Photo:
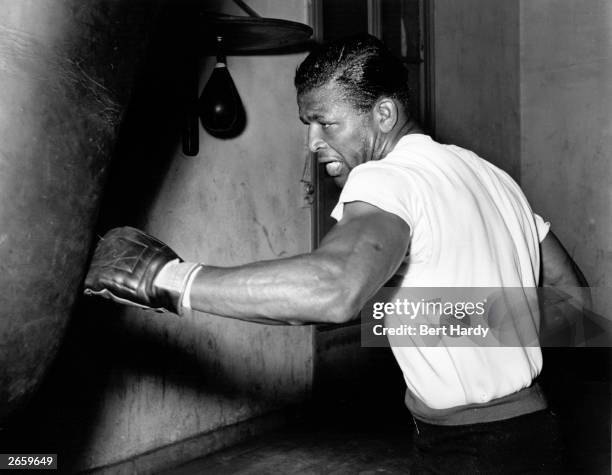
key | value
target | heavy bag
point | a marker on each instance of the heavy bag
(66, 71)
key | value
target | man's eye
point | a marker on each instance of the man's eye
(325, 125)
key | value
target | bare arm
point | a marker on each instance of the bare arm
(560, 270)
(330, 284)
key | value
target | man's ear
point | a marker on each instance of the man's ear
(386, 114)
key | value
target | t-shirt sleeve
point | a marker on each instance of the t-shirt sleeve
(542, 226)
(380, 185)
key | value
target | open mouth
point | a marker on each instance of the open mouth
(334, 168)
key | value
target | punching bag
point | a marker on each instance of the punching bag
(221, 110)
(66, 70)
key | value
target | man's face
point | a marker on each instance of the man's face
(341, 135)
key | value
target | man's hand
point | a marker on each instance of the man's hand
(127, 268)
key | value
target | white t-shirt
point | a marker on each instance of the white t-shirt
(470, 226)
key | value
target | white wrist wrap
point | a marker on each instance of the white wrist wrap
(186, 300)
(177, 277)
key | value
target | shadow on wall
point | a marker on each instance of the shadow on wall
(102, 352)
(151, 130)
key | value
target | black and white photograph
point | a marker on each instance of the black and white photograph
(310, 237)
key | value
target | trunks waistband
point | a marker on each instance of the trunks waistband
(525, 401)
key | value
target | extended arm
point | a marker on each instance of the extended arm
(330, 284)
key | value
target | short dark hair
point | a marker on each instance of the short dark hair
(361, 65)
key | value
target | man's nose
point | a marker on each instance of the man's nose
(315, 142)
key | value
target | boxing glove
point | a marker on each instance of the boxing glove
(134, 268)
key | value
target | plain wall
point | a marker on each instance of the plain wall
(476, 78)
(566, 123)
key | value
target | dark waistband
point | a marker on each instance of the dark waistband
(525, 401)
